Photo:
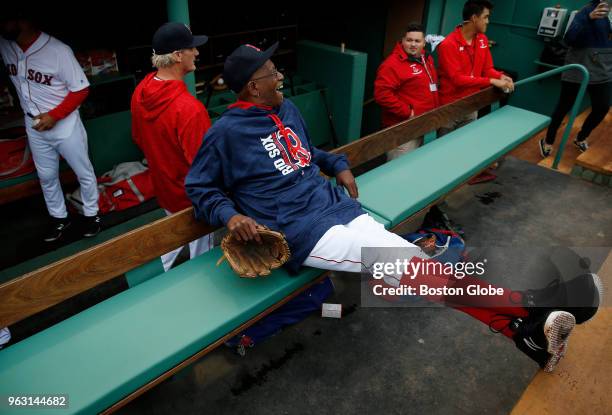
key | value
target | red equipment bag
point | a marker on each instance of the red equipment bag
(126, 185)
(15, 156)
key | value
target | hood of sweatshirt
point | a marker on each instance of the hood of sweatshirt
(155, 96)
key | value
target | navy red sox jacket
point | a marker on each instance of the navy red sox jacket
(260, 162)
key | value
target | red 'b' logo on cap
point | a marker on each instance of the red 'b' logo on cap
(253, 47)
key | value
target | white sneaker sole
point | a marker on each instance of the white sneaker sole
(91, 235)
(599, 285)
(557, 329)
(61, 233)
(600, 291)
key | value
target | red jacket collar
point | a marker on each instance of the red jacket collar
(424, 57)
(458, 35)
(399, 51)
(245, 105)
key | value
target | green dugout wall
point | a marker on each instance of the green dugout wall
(344, 73)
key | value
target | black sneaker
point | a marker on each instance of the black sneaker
(581, 145)
(543, 337)
(92, 226)
(57, 229)
(545, 149)
(580, 296)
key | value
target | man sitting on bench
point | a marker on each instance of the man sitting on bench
(257, 166)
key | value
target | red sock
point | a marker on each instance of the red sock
(499, 322)
(493, 310)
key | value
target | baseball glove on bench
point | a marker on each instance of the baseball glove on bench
(252, 260)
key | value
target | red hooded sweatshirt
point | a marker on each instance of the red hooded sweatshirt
(402, 85)
(464, 69)
(168, 124)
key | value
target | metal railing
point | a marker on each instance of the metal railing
(577, 102)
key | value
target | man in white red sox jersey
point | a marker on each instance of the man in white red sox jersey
(51, 85)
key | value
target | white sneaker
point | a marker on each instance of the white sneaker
(545, 149)
(581, 145)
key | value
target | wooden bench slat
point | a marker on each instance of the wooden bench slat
(377, 144)
(47, 286)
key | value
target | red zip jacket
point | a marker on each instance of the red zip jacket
(168, 124)
(464, 69)
(402, 85)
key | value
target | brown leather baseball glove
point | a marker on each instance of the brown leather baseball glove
(251, 259)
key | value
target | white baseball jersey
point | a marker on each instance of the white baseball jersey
(43, 75)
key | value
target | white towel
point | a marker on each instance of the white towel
(5, 336)
(434, 40)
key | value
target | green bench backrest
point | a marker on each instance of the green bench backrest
(110, 141)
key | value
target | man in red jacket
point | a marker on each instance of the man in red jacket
(168, 123)
(406, 84)
(464, 60)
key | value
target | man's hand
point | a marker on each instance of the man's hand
(345, 178)
(244, 228)
(504, 85)
(509, 81)
(600, 11)
(44, 122)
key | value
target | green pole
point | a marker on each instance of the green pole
(434, 13)
(178, 11)
(577, 102)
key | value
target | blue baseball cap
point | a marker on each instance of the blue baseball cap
(242, 64)
(174, 36)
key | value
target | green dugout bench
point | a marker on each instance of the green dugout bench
(440, 166)
(112, 352)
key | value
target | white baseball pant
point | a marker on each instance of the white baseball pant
(197, 247)
(339, 249)
(46, 150)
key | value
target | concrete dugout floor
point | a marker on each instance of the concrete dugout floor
(403, 360)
